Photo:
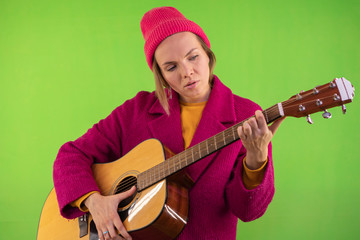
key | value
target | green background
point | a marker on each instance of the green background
(64, 65)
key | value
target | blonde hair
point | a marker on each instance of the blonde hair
(161, 84)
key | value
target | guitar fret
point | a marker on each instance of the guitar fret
(139, 181)
(176, 164)
(168, 168)
(161, 171)
(211, 145)
(154, 174)
(157, 173)
(151, 176)
(215, 142)
(143, 182)
(224, 137)
(145, 176)
(173, 165)
(229, 136)
(204, 153)
(207, 147)
(234, 138)
(146, 181)
(199, 151)
(182, 159)
(176, 159)
(192, 154)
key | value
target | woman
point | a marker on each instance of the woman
(236, 182)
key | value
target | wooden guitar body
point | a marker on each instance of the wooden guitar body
(158, 212)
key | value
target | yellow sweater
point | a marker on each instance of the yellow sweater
(190, 117)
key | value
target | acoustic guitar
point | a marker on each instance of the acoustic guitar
(158, 209)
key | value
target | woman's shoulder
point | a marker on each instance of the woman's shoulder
(141, 100)
(137, 105)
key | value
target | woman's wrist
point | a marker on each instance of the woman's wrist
(87, 202)
(254, 161)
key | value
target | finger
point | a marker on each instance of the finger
(127, 193)
(260, 119)
(112, 233)
(241, 133)
(121, 229)
(274, 127)
(254, 128)
(100, 233)
(106, 235)
(247, 129)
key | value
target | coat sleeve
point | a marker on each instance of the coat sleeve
(72, 172)
(246, 204)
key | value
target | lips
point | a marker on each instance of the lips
(191, 83)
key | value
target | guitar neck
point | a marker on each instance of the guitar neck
(199, 151)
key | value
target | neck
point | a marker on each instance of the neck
(199, 151)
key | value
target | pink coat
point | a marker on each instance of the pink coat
(218, 197)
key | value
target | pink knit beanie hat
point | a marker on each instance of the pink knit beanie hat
(159, 23)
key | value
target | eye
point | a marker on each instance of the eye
(193, 57)
(171, 68)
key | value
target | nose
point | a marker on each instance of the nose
(187, 70)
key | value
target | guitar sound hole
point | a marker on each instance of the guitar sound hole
(125, 185)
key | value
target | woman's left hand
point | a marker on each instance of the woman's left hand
(256, 135)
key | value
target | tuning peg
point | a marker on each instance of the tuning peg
(309, 120)
(343, 109)
(326, 114)
(298, 96)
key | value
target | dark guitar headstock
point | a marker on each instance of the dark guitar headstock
(336, 93)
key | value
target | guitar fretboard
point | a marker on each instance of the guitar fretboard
(199, 151)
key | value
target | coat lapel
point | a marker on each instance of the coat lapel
(217, 116)
(166, 128)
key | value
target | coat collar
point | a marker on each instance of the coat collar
(218, 115)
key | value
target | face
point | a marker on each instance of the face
(184, 65)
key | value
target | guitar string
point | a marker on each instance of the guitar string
(184, 156)
(126, 184)
(309, 93)
(306, 102)
(286, 104)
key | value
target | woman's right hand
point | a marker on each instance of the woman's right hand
(104, 211)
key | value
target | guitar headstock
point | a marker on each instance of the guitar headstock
(336, 93)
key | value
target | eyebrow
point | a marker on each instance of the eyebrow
(171, 62)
